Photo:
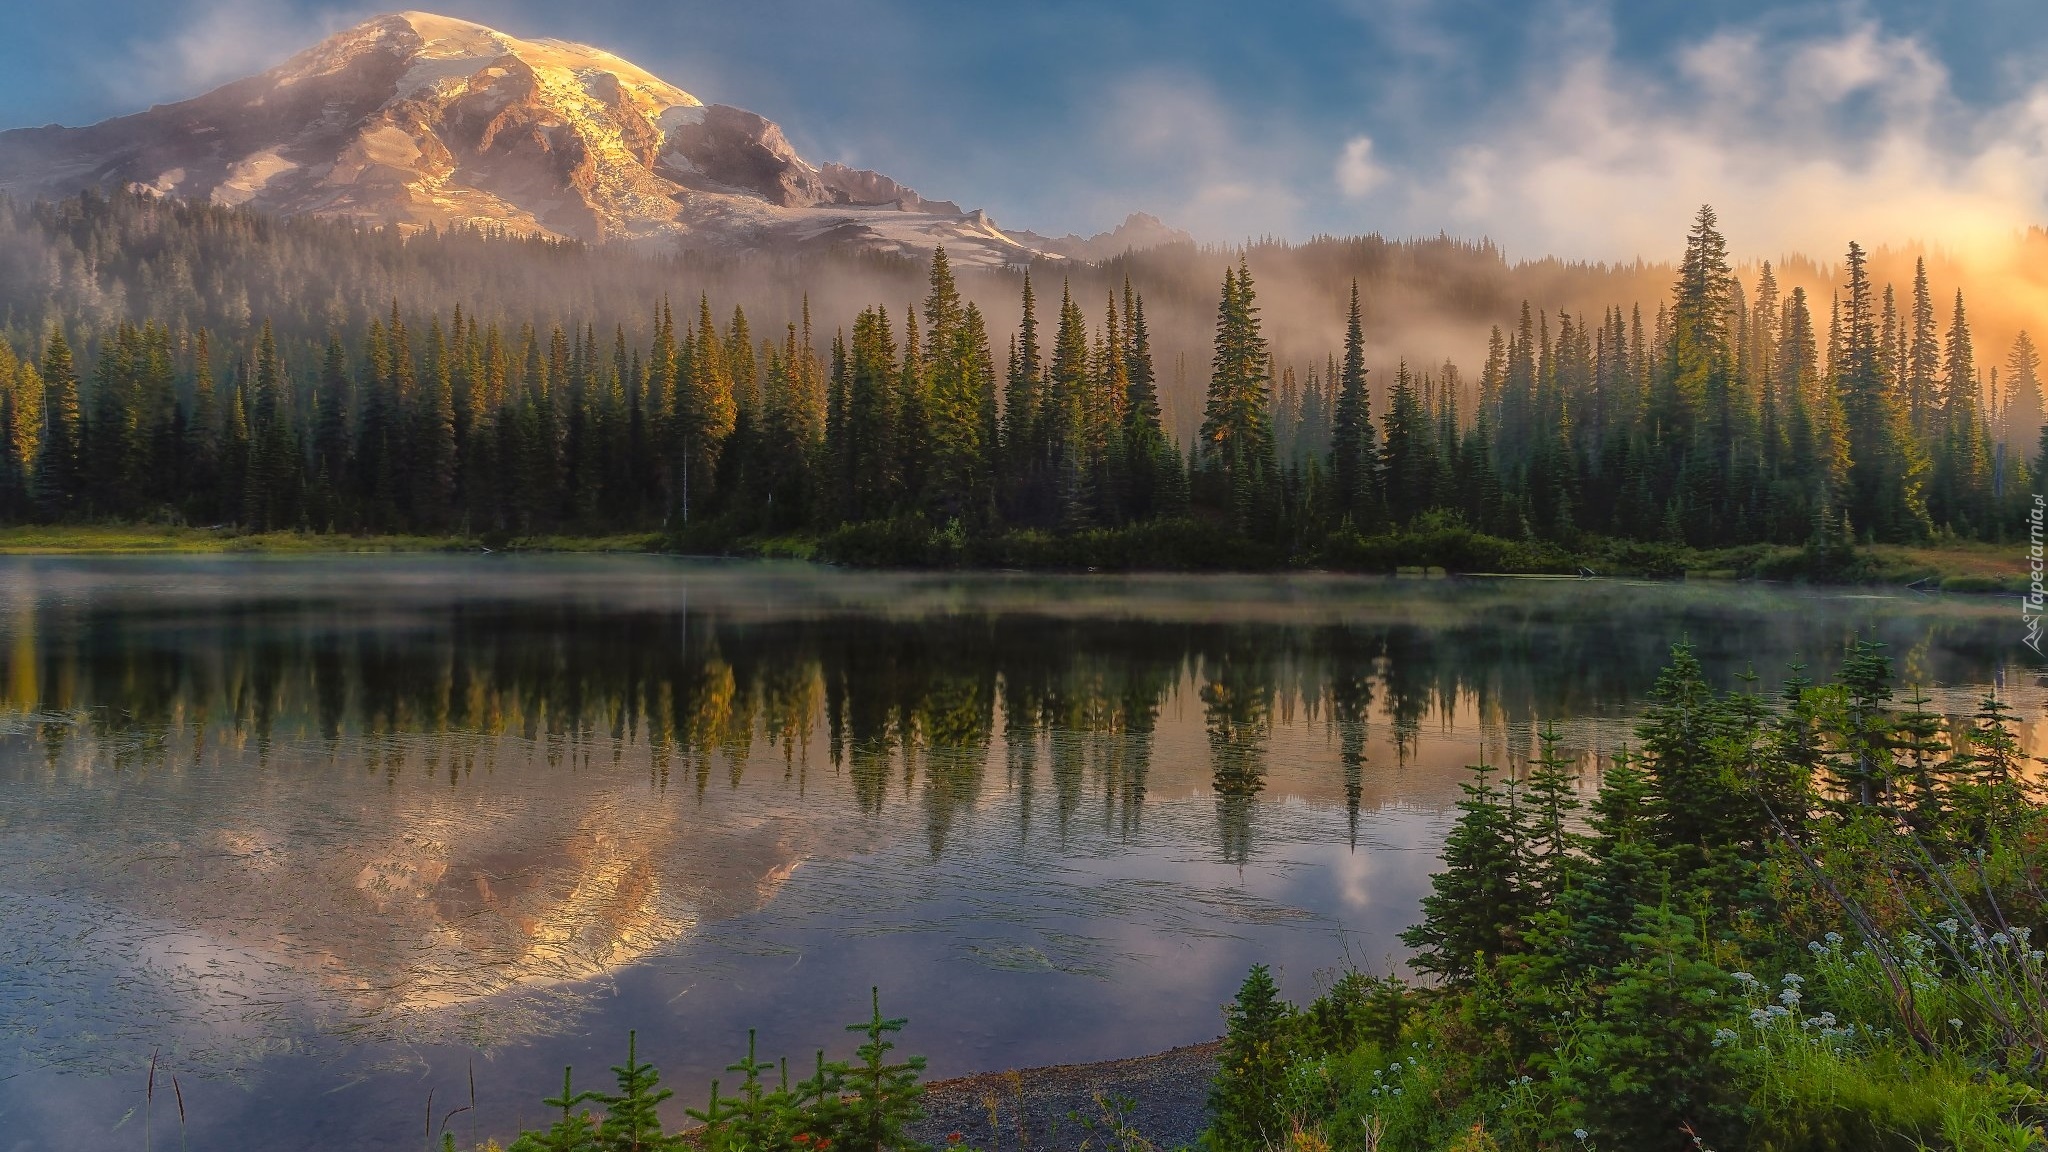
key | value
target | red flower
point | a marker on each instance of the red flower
(803, 1137)
(954, 1137)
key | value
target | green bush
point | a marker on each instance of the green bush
(1598, 988)
(1441, 543)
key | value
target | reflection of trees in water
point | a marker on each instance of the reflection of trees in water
(911, 709)
(1237, 706)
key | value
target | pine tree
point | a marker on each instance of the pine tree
(1479, 901)
(1023, 449)
(959, 378)
(886, 1095)
(1922, 361)
(1886, 469)
(60, 465)
(1237, 434)
(1246, 1097)
(1353, 455)
(1625, 868)
(574, 1132)
(632, 1122)
(1152, 460)
(1552, 797)
(1962, 471)
(1065, 416)
(2023, 384)
(869, 452)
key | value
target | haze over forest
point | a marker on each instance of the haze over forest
(426, 228)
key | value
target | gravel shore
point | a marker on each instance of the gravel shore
(1034, 1106)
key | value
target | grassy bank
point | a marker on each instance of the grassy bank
(1795, 926)
(119, 540)
(1172, 546)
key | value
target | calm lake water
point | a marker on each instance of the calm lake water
(330, 834)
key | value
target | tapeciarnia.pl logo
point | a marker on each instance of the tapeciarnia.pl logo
(2036, 599)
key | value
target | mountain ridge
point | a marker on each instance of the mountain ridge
(413, 119)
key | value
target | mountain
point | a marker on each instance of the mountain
(415, 120)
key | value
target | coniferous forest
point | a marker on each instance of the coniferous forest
(1731, 414)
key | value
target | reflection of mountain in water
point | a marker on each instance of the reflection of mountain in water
(409, 795)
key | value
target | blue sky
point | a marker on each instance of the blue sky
(1576, 127)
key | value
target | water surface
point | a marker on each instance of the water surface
(328, 835)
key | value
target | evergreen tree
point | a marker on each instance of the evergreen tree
(1479, 901)
(886, 1095)
(1237, 434)
(1886, 469)
(60, 464)
(632, 1122)
(1246, 1097)
(1353, 455)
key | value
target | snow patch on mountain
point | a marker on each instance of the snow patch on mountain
(415, 119)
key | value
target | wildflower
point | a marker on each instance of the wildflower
(1792, 980)
(1949, 926)
(1580, 1133)
(954, 1137)
(1833, 938)
(1397, 1091)
(1723, 1036)
(1954, 1023)
(1741, 978)
(802, 1138)
(2000, 939)
(1789, 997)
(1827, 1019)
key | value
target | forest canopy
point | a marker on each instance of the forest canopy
(179, 363)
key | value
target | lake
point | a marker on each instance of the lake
(327, 835)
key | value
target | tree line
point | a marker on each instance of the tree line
(1732, 415)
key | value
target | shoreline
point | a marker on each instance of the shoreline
(1973, 567)
(1034, 1108)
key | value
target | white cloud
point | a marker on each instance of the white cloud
(1357, 173)
(1799, 142)
(1173, 142)
(219, 41)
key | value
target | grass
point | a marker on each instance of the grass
(131, 540)
(1952, 566)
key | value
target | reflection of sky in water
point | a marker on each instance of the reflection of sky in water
(322, 832)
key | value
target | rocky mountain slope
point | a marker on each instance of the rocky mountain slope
(415, 120)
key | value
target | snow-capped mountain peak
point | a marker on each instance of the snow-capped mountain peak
(415, 119)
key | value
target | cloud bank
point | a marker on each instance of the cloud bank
(1800, 142)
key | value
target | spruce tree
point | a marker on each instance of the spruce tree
(60, 465)
(886, 1095)
(632, 1122)
(1246, 1097)
(1237, 435)
(1479, 900)
(1353, 457)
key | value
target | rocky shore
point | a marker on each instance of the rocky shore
(1066, 1106)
